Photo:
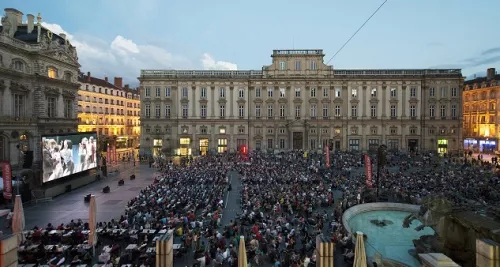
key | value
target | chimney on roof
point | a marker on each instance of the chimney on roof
(31, 22)
(490, 73)
(106, 78)
(118, 82)
(88, 76)
(14, 13)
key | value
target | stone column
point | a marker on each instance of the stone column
(384, 102)
(231, 102)
(213, 142)
(8, 101)
(60, 106)
(403, 102)
(213, 102)
(174, 106)
(193, 102)
(305, 103)
(365, 101)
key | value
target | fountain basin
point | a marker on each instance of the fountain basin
(382, 223)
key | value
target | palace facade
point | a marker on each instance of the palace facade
(481, 98)
(113, 111)
(38, 86)
(298, 102)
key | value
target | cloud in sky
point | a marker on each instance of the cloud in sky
(125, 58)
(209, 63)
(487, 57)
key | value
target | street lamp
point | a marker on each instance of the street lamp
(381, 161)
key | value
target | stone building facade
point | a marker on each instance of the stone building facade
(481, 98)
(298, 102)
(112, 110)
(38, 85)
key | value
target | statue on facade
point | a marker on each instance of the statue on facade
(54, 44)
(44, 43)
(7, 26)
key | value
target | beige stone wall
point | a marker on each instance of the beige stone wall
(360, 107)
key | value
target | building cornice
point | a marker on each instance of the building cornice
(336, 74)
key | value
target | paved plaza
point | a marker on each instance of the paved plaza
(70, 206)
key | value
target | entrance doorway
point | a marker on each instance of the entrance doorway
(412, 145)
(204, 146)
(337, 145)
(184, 149)
(297, 140)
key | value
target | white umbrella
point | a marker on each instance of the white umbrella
(92, 223)
(242, 253)
(18, 222)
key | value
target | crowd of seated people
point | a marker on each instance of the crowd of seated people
(178, 199)
(286, 201)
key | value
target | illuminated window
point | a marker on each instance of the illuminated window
(184, 141)
(222, 130)
(221, 145)
(52, 72)
(442, 142)
(157, 142)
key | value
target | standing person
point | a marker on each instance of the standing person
(67, 155)
(82, 152)
(48, 166)
(92, 153)
(58, 164)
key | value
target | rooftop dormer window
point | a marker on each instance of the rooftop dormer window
(52, 72)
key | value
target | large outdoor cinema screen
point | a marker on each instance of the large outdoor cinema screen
(67, 154)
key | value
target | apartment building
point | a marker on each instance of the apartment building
(113, 111)
(481, 97)
(299, 102)
(38, 86)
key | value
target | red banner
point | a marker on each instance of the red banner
(327, 155)
(368, 170)
(7, 179)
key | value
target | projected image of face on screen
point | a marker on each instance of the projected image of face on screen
(64, 155)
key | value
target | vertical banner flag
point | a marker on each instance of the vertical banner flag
(327, 155)
(7, 179)
(368, 170)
